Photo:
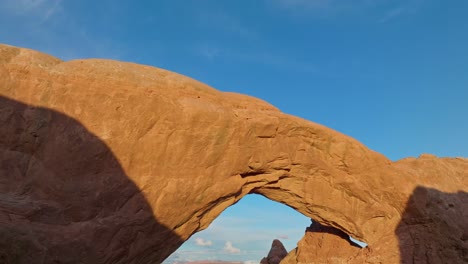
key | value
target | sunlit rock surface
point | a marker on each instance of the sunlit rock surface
(111, 162)
(325, 244)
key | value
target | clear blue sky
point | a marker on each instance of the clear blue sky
(390, 73)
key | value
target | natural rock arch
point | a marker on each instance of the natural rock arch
(193, 151)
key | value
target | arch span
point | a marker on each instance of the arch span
(193, 151)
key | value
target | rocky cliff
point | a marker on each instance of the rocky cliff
(111, 162)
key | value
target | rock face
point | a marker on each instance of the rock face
(276, 254)
(434, 228)
(111, 162)
(325, 244)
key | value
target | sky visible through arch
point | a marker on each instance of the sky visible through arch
(391, 73)
(244, 232)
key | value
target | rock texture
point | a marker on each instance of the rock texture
(112, 162)
(276, 254)
(325, 244)
(434, 228)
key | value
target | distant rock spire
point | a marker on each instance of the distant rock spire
(276, 254)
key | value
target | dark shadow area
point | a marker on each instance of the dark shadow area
(434, 227)
(64, 198)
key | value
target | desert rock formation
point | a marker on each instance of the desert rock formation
(111, 162)
(276, 254)
(325, 244)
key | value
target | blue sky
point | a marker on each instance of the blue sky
(390, 73)
(244, 232)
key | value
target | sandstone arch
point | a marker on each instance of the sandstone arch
(193, 151)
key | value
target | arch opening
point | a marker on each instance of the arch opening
(243, 233)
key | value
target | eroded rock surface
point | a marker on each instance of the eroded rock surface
(434, 228)
(111, 162)
(325, 244)
(276, 254)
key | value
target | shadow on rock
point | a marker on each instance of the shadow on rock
(316, 227)
(64, 198)
(434, 227)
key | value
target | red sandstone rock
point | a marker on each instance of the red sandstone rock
(112, 162)
(324, 244)
(276, 254)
